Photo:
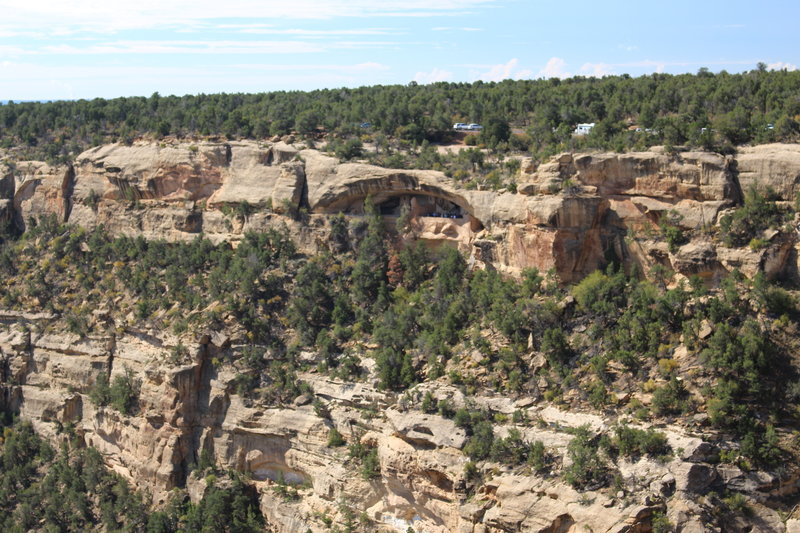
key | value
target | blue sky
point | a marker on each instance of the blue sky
(94, 48)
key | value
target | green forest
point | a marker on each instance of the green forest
(711, 110)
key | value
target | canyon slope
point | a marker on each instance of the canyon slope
(570, 216)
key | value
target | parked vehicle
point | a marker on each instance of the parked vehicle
(467, 127)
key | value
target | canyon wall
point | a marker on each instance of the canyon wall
(572, 214)
(188, 408)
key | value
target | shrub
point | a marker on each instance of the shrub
(100, 393)
(661, 523)
(350, 149)
(671, 399)
(124, 392)
(737, 503)
(428, 403)
(556, 347)
(598, 394)
(335, 439)
(538, 458)
(479, 445)
(634, 442)
(92, 199)
(602, 294)
(371, 466)
(761, 445)
(471, 472)
(587, 469)
(672, 232)
(758, 213)
(510, 450)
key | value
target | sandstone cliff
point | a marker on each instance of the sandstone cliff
(572, 214)
(185, 409)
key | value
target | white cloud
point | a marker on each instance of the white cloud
(447, 28)
(21, 33)
(780, 65)
(110, 16)
(555, 68)
(27, 81)
(357, 68)
(196, 47)
(351, 45)
(318, 33)
(504, 71)
(187, 47)
(12, 51)
(598, 70)
(433, 76)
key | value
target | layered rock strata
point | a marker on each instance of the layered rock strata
(571, 214)
(189, 408)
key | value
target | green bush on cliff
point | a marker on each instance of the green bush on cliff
(759, 212)
(587, 469)
(124, 392)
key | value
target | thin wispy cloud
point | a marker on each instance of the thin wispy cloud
(188, 47)
(780, 65)
(505, 71)
(13, 51)
(433, 76)
(558, 68)
(597, 70)
(197, 47)
(318, 33)
(555, 68)
(351, 45)
(112, 16)
(360, 67)
(82, 82)
(447, 28)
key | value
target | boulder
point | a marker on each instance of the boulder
(696, 258)
(426, 430)
(693, 477)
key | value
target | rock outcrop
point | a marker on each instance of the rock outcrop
(774, 166)
(571, 214)
(42, 189)
(189, 408)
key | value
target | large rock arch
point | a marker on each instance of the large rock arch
(335, 188)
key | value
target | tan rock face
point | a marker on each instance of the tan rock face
(119, 172)
(776, 166)
(42, 189)
(571, 215)
(186, 410)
